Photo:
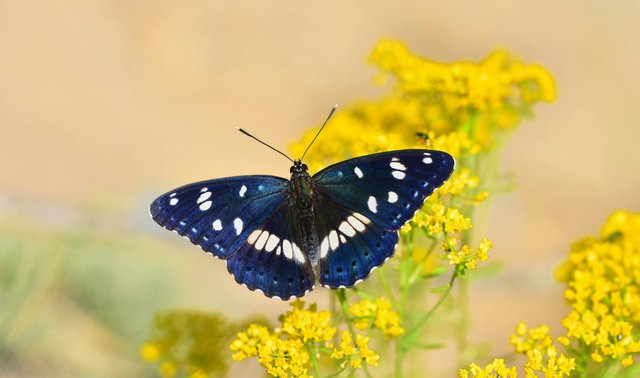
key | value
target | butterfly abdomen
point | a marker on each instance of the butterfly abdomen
(302, 191)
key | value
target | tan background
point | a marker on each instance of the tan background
(105, 104)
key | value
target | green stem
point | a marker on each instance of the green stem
(416, 328)
(312, 349)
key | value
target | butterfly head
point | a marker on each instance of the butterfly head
(298, 167)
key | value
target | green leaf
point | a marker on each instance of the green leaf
(439, 289)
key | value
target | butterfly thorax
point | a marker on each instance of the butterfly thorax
(302, 190)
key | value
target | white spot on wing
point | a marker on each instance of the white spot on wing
(398, 174)
(398, 166)
(172, 195)
(297, 253)
(362, 218)
(262, 240)
(237, 224)
(203, 190)
(253, 236)
(393, 197)
(324, 247)
(279, 250)
(242, 191)
(356, 224)
(286, 248)
(203, 197)
(427, 160)
(343, 240)
(346, 229)
(272, 242)
(395, 159)
(206, 205)
(373, 204)
(173, 201)
(217, 225)
(333, 240)
(358, 172)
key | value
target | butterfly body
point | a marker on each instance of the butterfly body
(281, 236)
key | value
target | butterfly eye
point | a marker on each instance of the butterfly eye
(304, 167)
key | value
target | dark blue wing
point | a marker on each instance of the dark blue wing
(247, 221)
(363, 202)
(271, 260)
(219, 215)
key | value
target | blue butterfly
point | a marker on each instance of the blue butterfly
(278, 236)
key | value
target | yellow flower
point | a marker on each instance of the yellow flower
(354, 355)
(284, 358)
(168, 369)
(379, 314)
(531, 342)
(246, 344)
(150, 352)
(308, 325)
(603, 288)
(550, 362)
(496, 369)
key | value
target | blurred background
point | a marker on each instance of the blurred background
(104, 105)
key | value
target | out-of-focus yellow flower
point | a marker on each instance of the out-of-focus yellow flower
(496, 369)
(603, 288)
(168, 369)
(378, 314)
(150, 352)
(185, 342)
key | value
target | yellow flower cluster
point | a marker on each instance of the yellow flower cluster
(498, 87)
(354, 355)
(188, 343)
(437, 219)
(603, 288)
(285, 352)
(542, 355)
(467, 255)
(377, 314)
(531, 341)
(550, 362)
(496, 369)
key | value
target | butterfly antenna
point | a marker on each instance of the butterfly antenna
(273, 148)
(333, 110)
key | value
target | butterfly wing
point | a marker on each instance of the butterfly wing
(271, 259)
(362, 203)
(221, 216)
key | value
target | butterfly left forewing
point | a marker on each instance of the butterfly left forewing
(219, 215)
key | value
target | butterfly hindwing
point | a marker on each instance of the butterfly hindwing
(271, 259)
(351, 245)
(219, 215)
(389, 187)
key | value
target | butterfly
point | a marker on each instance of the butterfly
(280, 236)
